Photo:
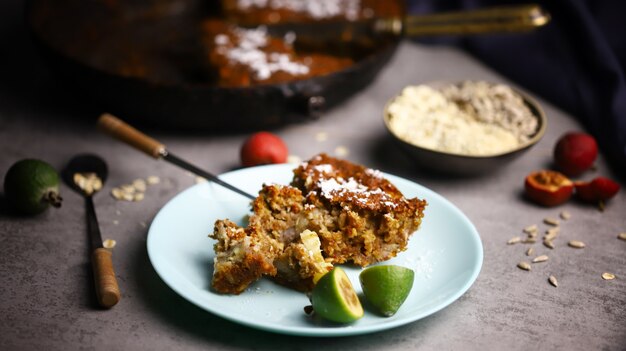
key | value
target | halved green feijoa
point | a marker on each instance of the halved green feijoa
(386, 287)
(334, 298)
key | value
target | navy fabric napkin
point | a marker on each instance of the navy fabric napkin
(576, 62)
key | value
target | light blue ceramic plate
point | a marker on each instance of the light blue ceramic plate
(446, 255)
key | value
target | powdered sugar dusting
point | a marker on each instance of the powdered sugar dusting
(324, 168)
(374, 173)
(222, 39)
(247, 51)
(339, 187)
(290, 37)
(331, 186)
(422, 264)
(317, 9)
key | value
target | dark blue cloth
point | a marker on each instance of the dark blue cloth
(577, 62)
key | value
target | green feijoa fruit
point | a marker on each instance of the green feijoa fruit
(31, 186)
(386, 287)
(334, 298)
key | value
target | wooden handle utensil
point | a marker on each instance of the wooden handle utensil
(107, 290)
(131, 136)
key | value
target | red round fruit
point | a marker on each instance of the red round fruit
(575, 153)
(263, 148)
(599, 189)
(548, 188)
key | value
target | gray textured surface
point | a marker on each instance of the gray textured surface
(46, 299)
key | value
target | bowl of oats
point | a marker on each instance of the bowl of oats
(464, 128)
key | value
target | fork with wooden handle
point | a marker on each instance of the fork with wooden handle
(140, 141)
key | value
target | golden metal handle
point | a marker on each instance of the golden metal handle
(515, 18)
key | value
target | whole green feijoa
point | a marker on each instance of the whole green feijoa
(31, 186)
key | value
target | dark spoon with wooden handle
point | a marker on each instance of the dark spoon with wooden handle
(86, 174)
(140, 141)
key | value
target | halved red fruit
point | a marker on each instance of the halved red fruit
(548, 188)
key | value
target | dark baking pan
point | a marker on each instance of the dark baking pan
(81, 38)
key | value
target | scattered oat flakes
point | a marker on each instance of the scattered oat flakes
(200, 180)
(116, 222)
(342, 151)
(553, 230)
(577, 244)
(608, 276)
(621, 236)
(514, 240)
(109, 243)
(542, 258)
(128, 189)
(152, 180)
(550, 235)
(529, 240)
(524, 265)
(548, 244)
(139, 185)
(88, 182)
(551, 221)
(321, 136)
(135, 191)
(117, 193)
(530, 251)
(565, 215)
(531, 229)
(552, 280)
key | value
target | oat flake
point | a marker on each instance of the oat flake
(531, 229)
(514, 240)
(152, 180)
(577, 244)
(553, 281)
(321, 137)
(294, 159)
(551, 221)
(342, 151)
(109, 243)
(608, 276)
(548, 244)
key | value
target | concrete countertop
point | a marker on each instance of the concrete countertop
(46, 296)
